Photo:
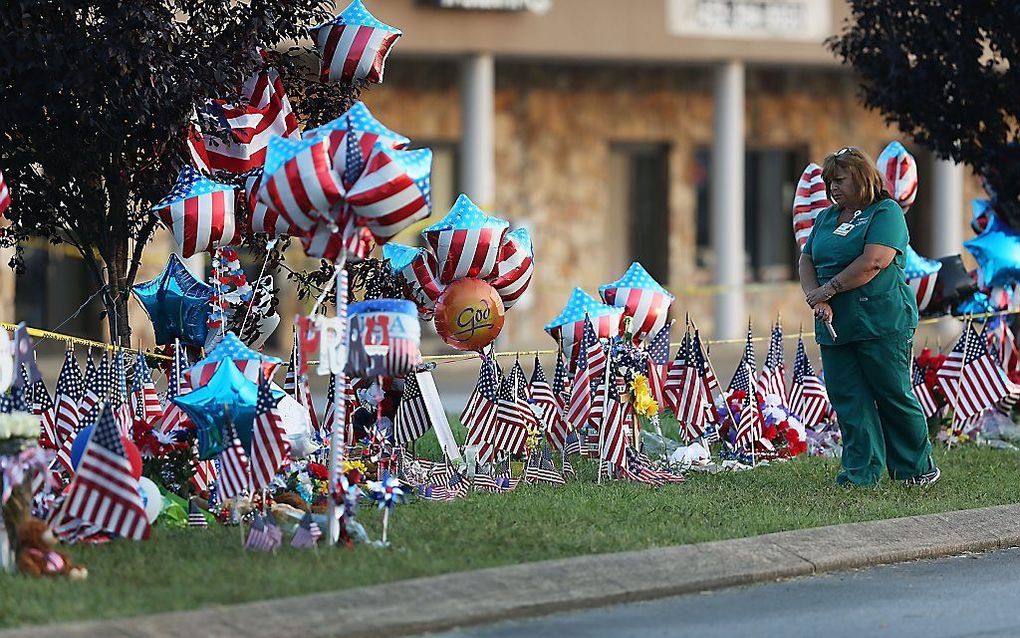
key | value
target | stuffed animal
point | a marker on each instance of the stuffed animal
(36, 556)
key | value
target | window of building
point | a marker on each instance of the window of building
(770, 180)
(640, 191)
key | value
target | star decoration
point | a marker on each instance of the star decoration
(177, 304)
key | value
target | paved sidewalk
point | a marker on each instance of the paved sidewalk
(489, 595)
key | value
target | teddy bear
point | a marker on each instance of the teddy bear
(36, 556)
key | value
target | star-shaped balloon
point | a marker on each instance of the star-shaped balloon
(808, 200)
(354, 45)
(642, 299)
(466, 241)
(981, 211)
(394, 191)
(997, 251)
(228, 395)
(418, 267)
(177, 304)
(515, 266)
(568, 326)
(918, 266)
(231, 348)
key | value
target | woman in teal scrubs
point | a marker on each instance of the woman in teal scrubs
(851, 270)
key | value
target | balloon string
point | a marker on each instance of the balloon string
(262, 271)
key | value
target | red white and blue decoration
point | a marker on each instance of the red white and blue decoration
(997, 251)
(5, 195)
(230, 348)
(354, 45)
(466, 241)
(922, 275)
(299, 183)
(261, 218)
(568, 327)
(366, 132)
(642, 299)
(228, 397)
(899, 174)
(515, 266)
(384, 338)
(418, 267)
(394, 190)
(809, 200)
(177, 303)
(199, 213)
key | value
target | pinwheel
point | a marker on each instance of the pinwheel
(386, 492)
(642, 299)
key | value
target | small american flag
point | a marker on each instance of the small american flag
(672, 387)
(540, 468)
(636, 469)
(5, 195)
(551, 415)
(772, 378)
(511, 419)
(147, 407)
(412, 420)
(579, 408)
(658, 363)
(259, 538)
(479, 415)
(747, 366)
(711, 386)
(980, 383)
(749, 429)
(199, 213)
(617, 422)
(307, 534)
(91, 388)
(105, 492)
(176, 384)
(269, 447)
(44, 408)
(922, 391)
(690, 396)
(354, 45)
(205, 471)
(808, 398)
(233, 467)
(195, 516)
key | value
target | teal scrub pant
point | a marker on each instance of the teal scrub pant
(881, 421)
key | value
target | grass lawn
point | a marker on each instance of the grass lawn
(184, 569)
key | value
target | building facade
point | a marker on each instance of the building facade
(670, 132)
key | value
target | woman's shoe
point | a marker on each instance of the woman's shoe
(926, 479)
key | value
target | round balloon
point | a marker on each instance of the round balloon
(134, 457)
(152, 500)
(469, 314)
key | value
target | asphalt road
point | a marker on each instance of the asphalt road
(976, 595)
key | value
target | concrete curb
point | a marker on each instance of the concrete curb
(489, 595)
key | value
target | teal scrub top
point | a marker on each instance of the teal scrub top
(883, 306)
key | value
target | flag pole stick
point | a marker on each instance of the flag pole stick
(336, 438)
(959, 382)
(726, 402)
(605, 412)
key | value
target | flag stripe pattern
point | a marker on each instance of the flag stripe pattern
(233, 468)
(412, 420)
(5, 195)
(354, 46)
(105, 492)
(568, 327)
(772, 378)
(899, 173)
(808, 200)
(642, 299)
(808, 398)
(299, 183)
(269, 447)
(922, 391)
(466, 241)
(199, 213)
(394, 191)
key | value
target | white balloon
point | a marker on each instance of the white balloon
(152, 499)
(6, 361)
(297, 425)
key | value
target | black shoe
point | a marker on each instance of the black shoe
(925, 480)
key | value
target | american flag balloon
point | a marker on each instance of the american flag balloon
(394, 191)
(418, 267)
(515, 266)
(230, 347)
(466, 241)
(199, 212)
(899, 174)
(808, 200)
(356, 123)
(568, 326)
(642, 299)
(922, 274)
(353, 46)
(233, 137)
(329, 242)
(261, 218)
(299, 182)
(5, 195)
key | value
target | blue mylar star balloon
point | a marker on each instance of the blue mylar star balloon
(997, 251)
(177, 303)
(979, 303)
(228, 395)
(918, 266)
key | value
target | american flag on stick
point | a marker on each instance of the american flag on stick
(921, 390)
(176, 384)
(550, 412)
(233, 470)
(307, 534)
(616, 423)
(808, 398)
(105, 492)
(772, 378)
(412, 420)
(91, 388)
(749, 429)
(579, 408)
(44, 408)
(690, 398)
(658, 364)
(269, 447)
(540, 468)
(511, 419)
(979, 383)
(147, 407)
(479, 415)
